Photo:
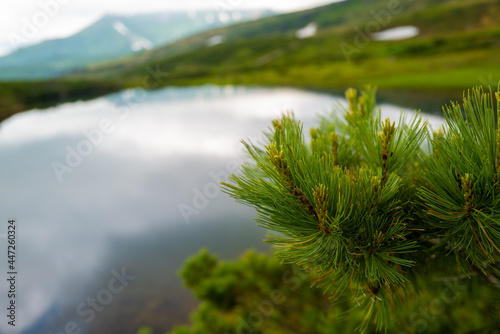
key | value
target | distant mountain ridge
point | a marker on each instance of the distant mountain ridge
(113, 37)
(326, 48)
(323, 47)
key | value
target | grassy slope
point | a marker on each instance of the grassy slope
(458, 48)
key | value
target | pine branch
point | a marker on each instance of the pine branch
(363, 207)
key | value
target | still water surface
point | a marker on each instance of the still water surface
(112, 186)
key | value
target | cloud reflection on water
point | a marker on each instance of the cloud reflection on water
(129, 189)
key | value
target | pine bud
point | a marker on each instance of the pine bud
(334, 139)
(321, 204)
(314, 133)
(467, 188)
(277, 158)
(375, 182)
(362, 108)
(385, 137)
(378, 237)
(279, 162)
(437, 134)
(352, 98)
(277, 125)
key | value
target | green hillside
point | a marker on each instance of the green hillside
(111, 37)
(458, 47)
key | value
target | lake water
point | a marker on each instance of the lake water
(111, 195)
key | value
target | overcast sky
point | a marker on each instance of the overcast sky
(61, 18)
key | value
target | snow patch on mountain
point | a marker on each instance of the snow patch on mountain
(397, 33)
(137, 42)
(308, 31)
(214, 40)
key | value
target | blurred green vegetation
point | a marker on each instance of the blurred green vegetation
(20, 96)
(256, 294)
(457, 48)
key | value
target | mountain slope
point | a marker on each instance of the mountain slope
(457, 47)
(336, 15)
(336, 23)
(109, 38)
(457, 38)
